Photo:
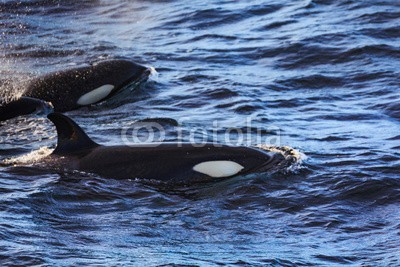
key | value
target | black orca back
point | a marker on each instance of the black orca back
(64, 88)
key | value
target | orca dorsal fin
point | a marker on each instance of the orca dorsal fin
(71, 138)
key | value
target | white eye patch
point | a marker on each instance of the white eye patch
(218, 168)
(95, 95)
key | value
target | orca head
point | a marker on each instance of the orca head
(24, 106)
(227, 161)
(76, 87)
(112, 76)
(71, 138)
(253, 160)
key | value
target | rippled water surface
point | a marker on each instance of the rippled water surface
(319, 76)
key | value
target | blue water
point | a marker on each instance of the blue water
(321, 77)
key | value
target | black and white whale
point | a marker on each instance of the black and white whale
(167, 162)
(24, 106)
(73, 88)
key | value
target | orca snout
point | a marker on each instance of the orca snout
(126, 71)
(45, 108)
(264, 161)
(121, 65)
(141, 71)
(272, 161)
(24, 106)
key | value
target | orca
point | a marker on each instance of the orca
(24, 106)
(73, 88)
(178, 163)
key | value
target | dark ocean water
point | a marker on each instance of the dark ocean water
(321, 77)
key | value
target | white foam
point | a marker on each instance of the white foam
(293, 158)
(29, 158)
(153, 74)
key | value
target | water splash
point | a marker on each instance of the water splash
(30, 158)
(154, 75)
(293, 158)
